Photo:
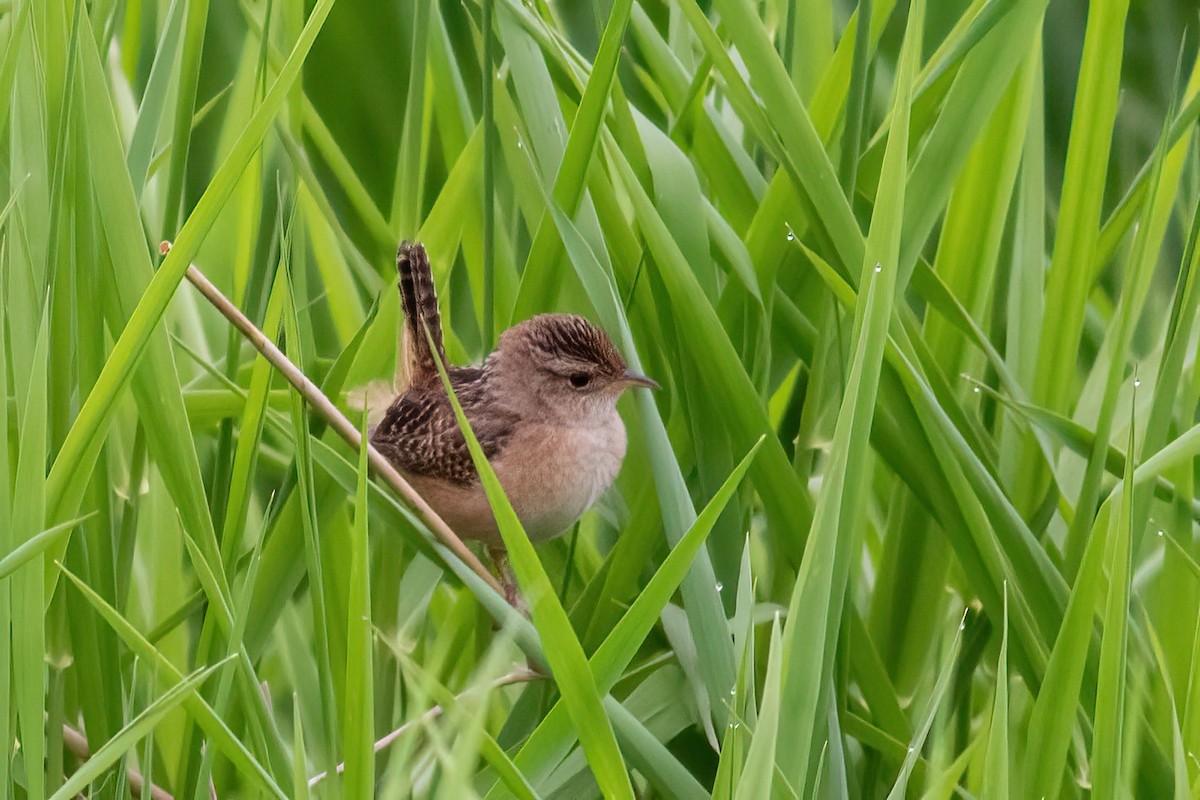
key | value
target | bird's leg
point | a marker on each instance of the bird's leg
(512, 594)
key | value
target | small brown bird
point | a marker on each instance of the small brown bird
(543, 406)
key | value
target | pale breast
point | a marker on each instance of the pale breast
(553, 473)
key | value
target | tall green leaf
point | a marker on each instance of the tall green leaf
(816, 602)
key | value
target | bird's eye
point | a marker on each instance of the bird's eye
(580, 379)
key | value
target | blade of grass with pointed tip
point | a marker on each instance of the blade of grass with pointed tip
(185, 105)
(997, 533)
(1163, 186)
(154, 100)
(1107, 754)
(28, 586)
(931, 711)
(37, 544)
(996, 760)
(742, 702)
(759, 769)
(155, 381)
(1054, 711)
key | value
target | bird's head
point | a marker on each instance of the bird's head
(563, 364)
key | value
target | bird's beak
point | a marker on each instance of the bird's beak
(633, 379)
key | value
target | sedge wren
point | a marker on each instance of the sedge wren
(543, 406)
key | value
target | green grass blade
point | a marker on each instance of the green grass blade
(789, 120)
(1054, 712)
(245, 454)
(922, 729)
(217, 731)
(996, 759)
(28, 586)
(137, 729)
(577, 155)
(36, 545)
(78, 451)
(760, 766)
(1071, 267)
(154, 101)
(816, 601)
(299, 757)
(1107, 737)
(359, 722)
(651, 757)
(185, 105)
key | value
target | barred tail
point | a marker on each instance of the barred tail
(419, 300)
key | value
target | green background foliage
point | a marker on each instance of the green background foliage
(913, 516)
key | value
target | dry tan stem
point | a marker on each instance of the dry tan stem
(77, 743)
(338, 421)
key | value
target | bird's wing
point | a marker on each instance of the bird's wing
(419, 433)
